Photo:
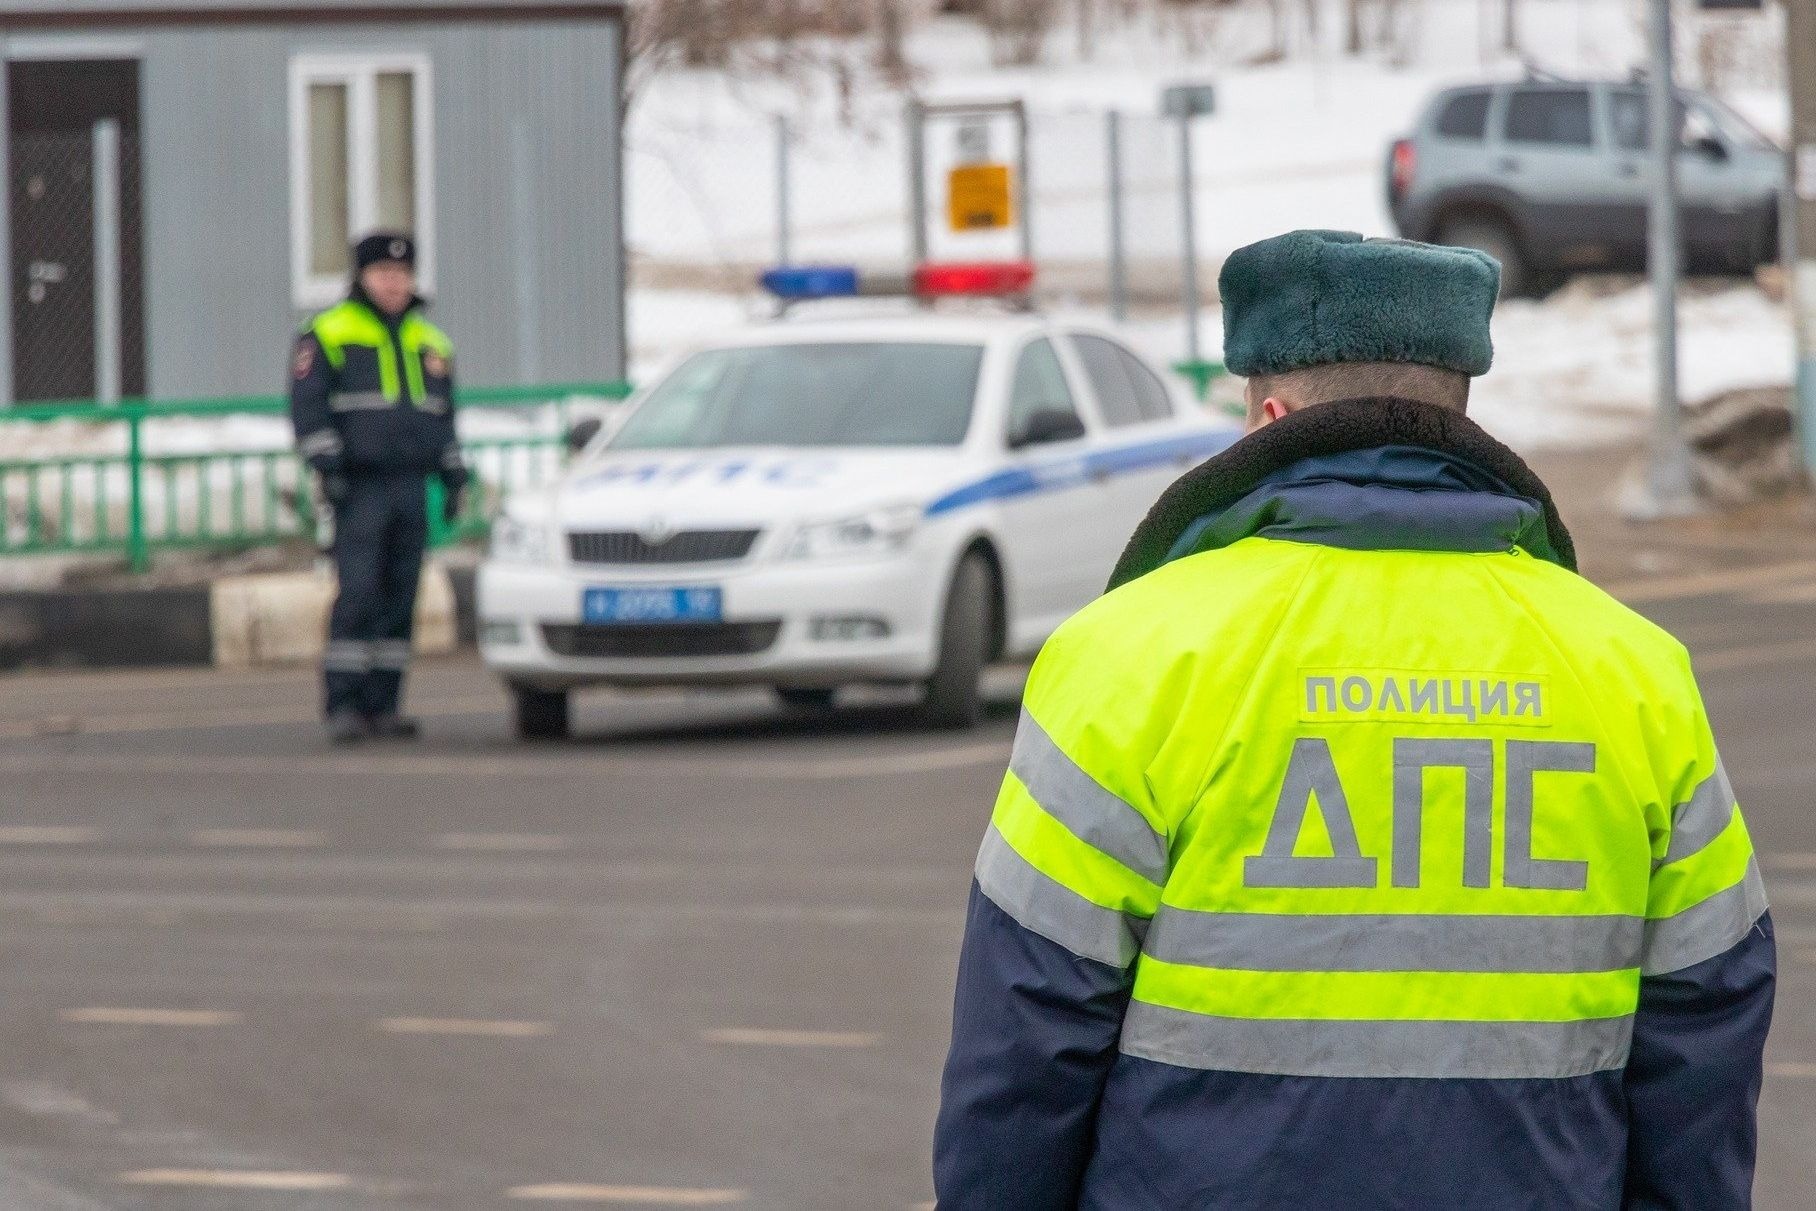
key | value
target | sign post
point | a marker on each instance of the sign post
(1667, 487)
(1185, 102)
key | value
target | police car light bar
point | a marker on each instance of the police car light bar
(994, 278)
(801, 283)
(935, 279)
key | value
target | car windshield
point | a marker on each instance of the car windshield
(830, 394)
(1737, 128)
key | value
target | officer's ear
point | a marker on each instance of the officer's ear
(1265, 412)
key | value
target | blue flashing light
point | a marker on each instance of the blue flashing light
(811, 281)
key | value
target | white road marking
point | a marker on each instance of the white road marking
(467, 1026)
(662, 1196)
(1756, 656)
(513, 769)
(502, 843)
(1801, 593)
(922, 761)
(238, 1179)
(1703, 584)
(257, 838)
(250, 715)
(116, 1016)
(749, 1036)
(1790, 1068)
(42, 834)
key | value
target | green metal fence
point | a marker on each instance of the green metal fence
(121, 499)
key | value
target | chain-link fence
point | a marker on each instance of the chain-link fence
(1103, 195)
(78, 329)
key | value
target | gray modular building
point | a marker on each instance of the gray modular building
(219, 155)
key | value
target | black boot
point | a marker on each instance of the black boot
(392, 727)
(345, 727)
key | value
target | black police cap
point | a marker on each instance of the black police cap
(384, 246)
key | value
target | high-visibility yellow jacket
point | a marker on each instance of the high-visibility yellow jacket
(1356, 852)
(375, 393)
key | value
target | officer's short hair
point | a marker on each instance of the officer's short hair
(1364, 380)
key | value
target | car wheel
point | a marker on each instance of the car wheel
(954, 697)
(808, 700)
(1485, 233)
(540, 714)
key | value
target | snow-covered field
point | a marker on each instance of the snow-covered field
(1297, 143)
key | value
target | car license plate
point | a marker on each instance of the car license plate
(652, 605)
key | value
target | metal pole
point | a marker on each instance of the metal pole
(523, 253)
(138, 552)
(106, 181)
(1669, 488)
(1800, 37)
(784, 249)
(1024, 182)
(1119, 267)
(1188, 238)
(917, 184)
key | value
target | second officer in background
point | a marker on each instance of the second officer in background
(372, 398)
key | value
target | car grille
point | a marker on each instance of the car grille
(660, 639)
(687, 546)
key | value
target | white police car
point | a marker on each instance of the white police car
(817, 504)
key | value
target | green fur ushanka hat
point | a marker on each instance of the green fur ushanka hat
(1312, 298)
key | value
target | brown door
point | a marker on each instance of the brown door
(53, 107)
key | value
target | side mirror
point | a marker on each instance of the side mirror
(581, 433)
(1709, 147)
(1048, 425)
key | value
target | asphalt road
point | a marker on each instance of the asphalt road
(701, 956)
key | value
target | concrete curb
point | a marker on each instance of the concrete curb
(236, 622)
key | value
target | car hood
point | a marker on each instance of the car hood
(680, 489)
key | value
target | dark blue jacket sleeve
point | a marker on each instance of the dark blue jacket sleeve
(1034, 1033)
(318, 439)
(1693, 1080)
(452, 469)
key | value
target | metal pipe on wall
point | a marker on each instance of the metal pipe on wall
(105, 180)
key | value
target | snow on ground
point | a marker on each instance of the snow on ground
(1298, 143)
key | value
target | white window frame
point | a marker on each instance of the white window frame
(359, 72)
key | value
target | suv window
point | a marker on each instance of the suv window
(1039, 386)
(1557, 116)
(1465, 116)
(1123, 397)
(1632, 118)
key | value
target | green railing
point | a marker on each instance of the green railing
(122, 499)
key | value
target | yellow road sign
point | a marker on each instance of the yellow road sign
(980, 197)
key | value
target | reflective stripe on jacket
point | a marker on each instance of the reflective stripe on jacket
(1356, 852)
(371, 394)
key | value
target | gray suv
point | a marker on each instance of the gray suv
(1552, 176)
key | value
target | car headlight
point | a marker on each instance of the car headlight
(878, 532)
(515, 541)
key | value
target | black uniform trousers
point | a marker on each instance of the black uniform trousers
(380, 529)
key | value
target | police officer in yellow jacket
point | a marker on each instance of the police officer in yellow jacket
(1354, 851)
(372, 399)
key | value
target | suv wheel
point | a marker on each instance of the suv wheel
(1485, 233)
(954, 696)
(539, 714)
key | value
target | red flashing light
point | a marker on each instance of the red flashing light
(974, 278)
(1405, 159)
